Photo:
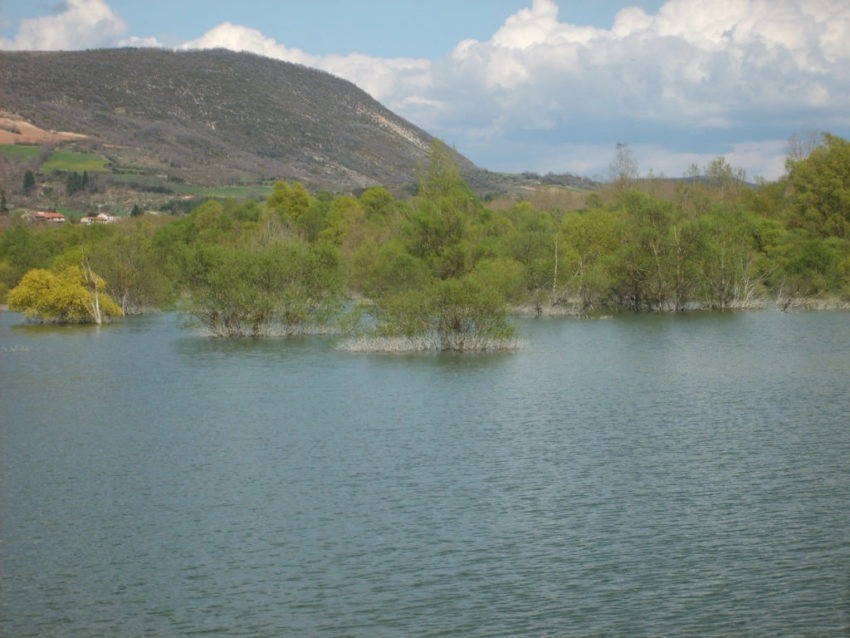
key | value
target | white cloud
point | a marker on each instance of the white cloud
(138, 42)
(394, 81)
(240, 38)
(382, 78)
(691, 63)
(697, 73)
(81, 24)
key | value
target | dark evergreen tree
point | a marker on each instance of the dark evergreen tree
(29, 182)
(75, 183)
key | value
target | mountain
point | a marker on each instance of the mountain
(216, 117)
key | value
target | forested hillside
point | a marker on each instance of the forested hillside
(216, 117)
(444, 271)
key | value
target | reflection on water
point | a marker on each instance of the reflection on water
(640, 475)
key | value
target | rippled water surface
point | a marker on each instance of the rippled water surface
(648, 475)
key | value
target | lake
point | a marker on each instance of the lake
(640, 475)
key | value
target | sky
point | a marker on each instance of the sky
(535, 85)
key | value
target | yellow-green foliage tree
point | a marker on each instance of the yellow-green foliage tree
(73, 295)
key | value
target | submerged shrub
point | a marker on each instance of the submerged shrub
(74, 295)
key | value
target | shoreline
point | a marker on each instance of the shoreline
(813, 304)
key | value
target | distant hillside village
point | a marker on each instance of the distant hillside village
(42, 217)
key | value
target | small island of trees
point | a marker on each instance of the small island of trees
(445, 270)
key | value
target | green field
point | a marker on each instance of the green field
(79, 162)
(60, 161)
(19, 153)
(158, 184)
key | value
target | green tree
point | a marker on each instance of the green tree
(133, 272)
(692, 194)
(379, 204)
(212, 224)
(731, 272)
(587, 241)
(820, 199)
(534, 244)
(685, 249)
(726, 181)
(74, 182)
(23, 248)
(457, 315)
(424, 284)
(394, 271)
(470, 313)
(289, 201)
(313, 221)
(443, 211)
(643, 258)
(173, 245)
(441, 181)
(29, 182)
(812, 266)
(284, 287)
(346, 223)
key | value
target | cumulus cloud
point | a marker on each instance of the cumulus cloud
(385, 79)
(695, 63)
(240, 38)
(709, 74)
(80, 24)
(135, 41)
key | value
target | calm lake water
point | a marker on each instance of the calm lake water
(643, 475)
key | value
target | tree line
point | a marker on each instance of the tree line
(444, 270)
